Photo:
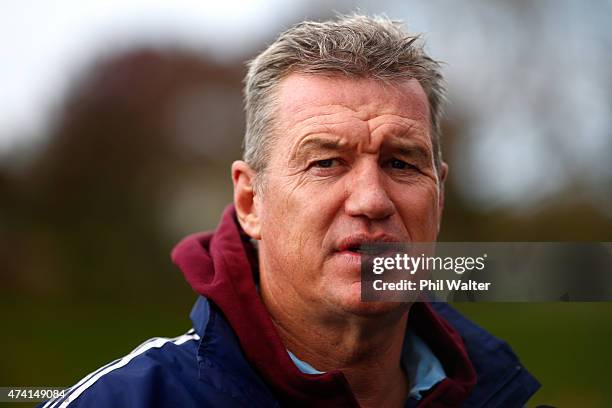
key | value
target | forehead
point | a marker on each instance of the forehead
(301, 96)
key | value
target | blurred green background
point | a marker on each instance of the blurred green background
(136, 153)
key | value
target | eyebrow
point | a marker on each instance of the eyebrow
(408, 147)
(402, 145)
(319, 143)
(323, 143)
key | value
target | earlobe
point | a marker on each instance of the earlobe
(245, 199)
(443, 173)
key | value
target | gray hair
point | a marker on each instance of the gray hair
(352, 45)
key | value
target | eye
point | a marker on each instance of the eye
(399, 164)
(324, 164)
(326, 167)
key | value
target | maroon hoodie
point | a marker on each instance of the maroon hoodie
(222, 266)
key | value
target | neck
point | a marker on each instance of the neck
(366, 348)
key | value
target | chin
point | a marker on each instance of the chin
(351, 303)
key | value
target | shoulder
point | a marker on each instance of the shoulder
(159, 372)
(477, 340)
(502, 378)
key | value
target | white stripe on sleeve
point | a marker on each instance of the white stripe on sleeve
(75, 391)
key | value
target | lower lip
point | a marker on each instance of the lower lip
(350, 255)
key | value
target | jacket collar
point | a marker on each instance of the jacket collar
(221, 267)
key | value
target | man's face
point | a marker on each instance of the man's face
(352, 162)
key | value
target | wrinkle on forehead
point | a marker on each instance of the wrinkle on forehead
(300, 93)
(356, 113)
(367, 136)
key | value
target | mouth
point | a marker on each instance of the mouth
(364, 245)
(364, 249)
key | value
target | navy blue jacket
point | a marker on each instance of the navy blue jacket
(233, 356)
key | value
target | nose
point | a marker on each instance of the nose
(367, 196)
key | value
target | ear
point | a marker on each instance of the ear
(245, 199)
(443, 173)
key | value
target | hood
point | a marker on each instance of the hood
(222, 266)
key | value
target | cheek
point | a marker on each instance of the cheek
(418, 208)
(298, 216)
